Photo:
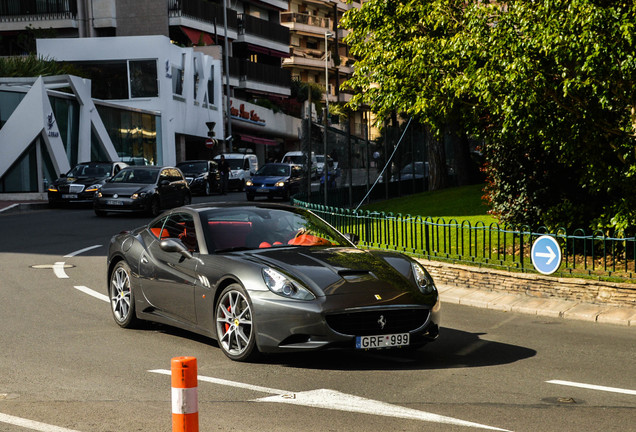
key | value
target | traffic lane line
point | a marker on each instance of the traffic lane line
(31, 424)
(593, 387)
(81, 251)
(335, 400)
(93, 293)
(58, 269)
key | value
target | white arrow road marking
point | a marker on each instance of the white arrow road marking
(58, 269)
(93, 293)
(30, 424)
(593, 387)
(77, 252)
(332, 399)
(550, 255)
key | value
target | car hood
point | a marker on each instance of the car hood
(193, 173)
(87, 181)
(125, 188)
(268, 179)
(346, 271)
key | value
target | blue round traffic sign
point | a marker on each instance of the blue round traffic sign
(546, 255)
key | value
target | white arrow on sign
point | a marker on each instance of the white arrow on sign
(331, 399)
(550, 255)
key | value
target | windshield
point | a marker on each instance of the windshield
(90, 170)
(294, 159)
(320, 158)
(274, 170)
(243, 228)
(131, 175)
(189, 167)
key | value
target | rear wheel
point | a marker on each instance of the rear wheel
(234, 325)
(122, 301)
(206, 192)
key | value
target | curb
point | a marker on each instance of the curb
(21, 207)
(549, 307)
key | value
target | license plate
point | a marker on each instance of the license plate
(115, 202)
(69, 196)
(261, 190)
(382, 341)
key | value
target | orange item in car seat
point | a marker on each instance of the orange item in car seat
(264, 245)
(308, 240)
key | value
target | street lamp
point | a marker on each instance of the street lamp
(325, 167)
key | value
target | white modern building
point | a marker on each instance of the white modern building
(146, 99)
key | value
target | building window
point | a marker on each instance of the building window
(211, 86)
(177, 81)
(143, 78)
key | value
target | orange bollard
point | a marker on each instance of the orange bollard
(185, 398)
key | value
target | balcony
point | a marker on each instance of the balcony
(204, 12)
(307, 59)
(252, 26)
(304, 23)
(18, 14)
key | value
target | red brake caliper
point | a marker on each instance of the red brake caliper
(227, 326)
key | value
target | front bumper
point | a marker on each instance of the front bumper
(286, 325)
(269, 191)
(121, 204)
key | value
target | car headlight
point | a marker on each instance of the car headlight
(249, 183)
(93, 188)
(281, 285)
(423, 279)
(280, 184)
(138, 195)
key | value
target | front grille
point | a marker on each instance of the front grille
(76, 188)
(369, 322)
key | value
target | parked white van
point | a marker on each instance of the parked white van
(296, 158)
(242, 167)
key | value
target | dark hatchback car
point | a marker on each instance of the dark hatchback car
(202, 175)
(274, 180)
(80, 184)
(146, 189)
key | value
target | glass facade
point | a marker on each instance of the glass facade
(135, 135)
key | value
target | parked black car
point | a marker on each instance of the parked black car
(142, 189)
(80, 184)
(202, 175)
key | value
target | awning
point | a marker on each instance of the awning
(258, 140)
(197, 36)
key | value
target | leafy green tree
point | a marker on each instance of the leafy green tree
(33, 66)
(548, 86)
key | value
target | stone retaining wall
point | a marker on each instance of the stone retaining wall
(534, 285)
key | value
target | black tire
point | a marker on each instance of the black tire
(235, 329)
(122, 299)
(249, 197)
(241, 186)
(207, 190)
(155, 207)
(187, 199)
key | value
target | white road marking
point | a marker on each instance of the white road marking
(593, 387)
(30, 424)
(77, 252)
(58, 269)
(332, 399)
(93, 293)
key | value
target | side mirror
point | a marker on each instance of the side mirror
(175, 245)
(353, 238)
(164, 182)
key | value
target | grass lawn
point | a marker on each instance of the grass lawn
(460, 203)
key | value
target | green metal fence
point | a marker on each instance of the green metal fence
(584, 255)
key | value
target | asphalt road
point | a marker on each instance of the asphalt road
(66, 366)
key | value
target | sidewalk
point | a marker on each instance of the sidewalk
(548, 307)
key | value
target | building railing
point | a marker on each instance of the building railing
(202, 11)
(262, 28)
(311, 20)
(37, 10)
(263, 73)
(504, 247)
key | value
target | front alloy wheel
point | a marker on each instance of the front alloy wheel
(234, 326)
(120, 292)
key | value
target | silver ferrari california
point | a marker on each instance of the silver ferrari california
(264, 278)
